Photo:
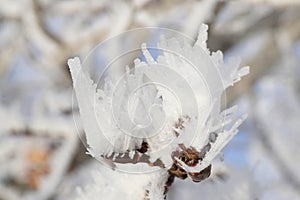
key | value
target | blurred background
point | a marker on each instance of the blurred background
(41, 156)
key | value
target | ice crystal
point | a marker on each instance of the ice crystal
(138, 120)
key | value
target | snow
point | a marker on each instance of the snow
(186, 81)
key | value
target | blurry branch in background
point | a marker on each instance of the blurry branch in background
(94, 22)
(281, 3)
(263, 36)
(288, 174)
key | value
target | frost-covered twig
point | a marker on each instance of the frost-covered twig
(116, 118)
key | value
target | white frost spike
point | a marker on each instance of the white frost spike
(85, 91)
(244, 71)
(202, 37)
(147, 54)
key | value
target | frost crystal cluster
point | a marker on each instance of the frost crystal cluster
(164, 113)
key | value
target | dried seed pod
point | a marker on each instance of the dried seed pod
(178, 172)
(200, 176)
(144, 147)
